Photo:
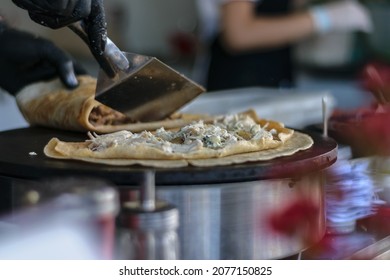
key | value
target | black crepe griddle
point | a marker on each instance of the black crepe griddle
(17, 161)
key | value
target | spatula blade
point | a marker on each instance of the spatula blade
(148, 90)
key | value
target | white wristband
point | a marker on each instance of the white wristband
(321, 19)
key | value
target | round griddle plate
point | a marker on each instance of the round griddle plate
(17, 160)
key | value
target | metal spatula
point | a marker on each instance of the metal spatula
(142, 87)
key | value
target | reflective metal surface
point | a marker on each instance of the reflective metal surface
(148, 235)
(233, 220)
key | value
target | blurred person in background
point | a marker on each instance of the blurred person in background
(26, 58)
(250, 41)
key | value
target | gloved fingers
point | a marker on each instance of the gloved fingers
(53, 22)
(36, 73)
(82, 9)
(60, 13)
(39, 73)
(26, 59)
(97, 28)
(26, 4)
(61, 62)
(15, 79)
(11, 83)
(54, 7)
(46, 71)
(68, 8)
(67, 74)
(79, 69)
(56, 13)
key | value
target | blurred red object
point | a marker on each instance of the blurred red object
(294, 220)
(379, 223)
(366, 130)
(375, 78)
(183, 43)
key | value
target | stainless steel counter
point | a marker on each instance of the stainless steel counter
(370, 240)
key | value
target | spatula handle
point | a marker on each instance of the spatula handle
(112, 58)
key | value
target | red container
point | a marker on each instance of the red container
(366, 131)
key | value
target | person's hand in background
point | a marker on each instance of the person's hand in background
(59, 13)
(243, 30)
(345, 15)
(25, 59)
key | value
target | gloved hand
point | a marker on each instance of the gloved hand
(344, 15)
(60, 13)
(25, 59)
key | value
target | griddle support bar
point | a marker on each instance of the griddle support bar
(148, 191)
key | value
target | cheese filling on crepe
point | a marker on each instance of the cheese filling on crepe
(227, 135)
(50, 104)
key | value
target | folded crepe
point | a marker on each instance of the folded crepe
(50, 104)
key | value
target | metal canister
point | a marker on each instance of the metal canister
(148, 235)
(147, 227)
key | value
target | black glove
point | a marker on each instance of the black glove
(60, 13)
(25, 59)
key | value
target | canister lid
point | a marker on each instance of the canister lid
(163, 217)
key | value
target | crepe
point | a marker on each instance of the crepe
(241, 139)
(299, 141)
(50, 104)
